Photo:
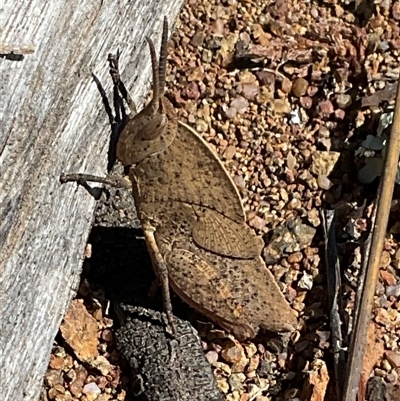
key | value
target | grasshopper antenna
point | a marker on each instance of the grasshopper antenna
(159, 69)
(155, 101)
(163, 58)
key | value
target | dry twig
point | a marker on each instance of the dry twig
(379, 224)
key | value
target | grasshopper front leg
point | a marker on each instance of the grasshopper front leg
(119, 90)
(83, 179)
(119, 86)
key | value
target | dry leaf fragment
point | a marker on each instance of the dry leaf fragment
(79, 330)
(316, 386)
(383, 95)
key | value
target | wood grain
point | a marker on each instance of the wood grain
(53, 120)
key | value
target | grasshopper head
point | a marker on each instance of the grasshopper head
(153, 129)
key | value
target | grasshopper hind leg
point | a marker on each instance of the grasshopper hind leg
(199, 283)
(162, 274)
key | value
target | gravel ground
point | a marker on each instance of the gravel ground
(296, 98)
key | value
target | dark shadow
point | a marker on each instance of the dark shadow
(121, 265)
(12, 56)
(120, 268)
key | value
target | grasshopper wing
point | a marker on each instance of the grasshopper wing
(189, 171)
(219, 234)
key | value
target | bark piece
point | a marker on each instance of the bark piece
(163, 367)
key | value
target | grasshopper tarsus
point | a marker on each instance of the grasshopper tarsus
(167, 300)
(167, 305)
(113, 60)
(171, 322)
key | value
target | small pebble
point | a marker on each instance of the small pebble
(222, 383)
(324, 182)
(306, 102)
(253, 364)
(240, 104)
(229, 152)
(326, 108)
(343, 100)
(394, 358)
(300, 86)
(212, 357)
(236, 381)
(91, 388)
(250, 349)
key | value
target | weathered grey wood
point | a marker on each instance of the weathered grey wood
(53, 120)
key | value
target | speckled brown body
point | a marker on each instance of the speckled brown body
(192, 217)
(239, 294)
(194, 222)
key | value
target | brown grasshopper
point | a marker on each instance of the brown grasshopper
(192, 217)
